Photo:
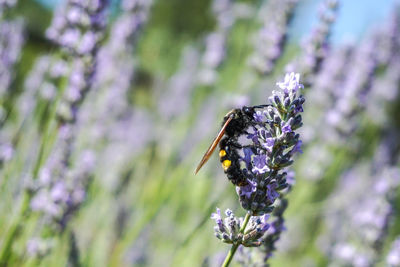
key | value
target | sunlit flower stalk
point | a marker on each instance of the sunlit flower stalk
(180, 86)
(273, 144)
(11, 43)
(78, 28)
(388, 41)
(270, 39)
(325, 92)
(316, 46)
(216, 42)
(354, 93)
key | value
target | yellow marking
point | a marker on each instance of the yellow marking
(222, 153)
(226, 164)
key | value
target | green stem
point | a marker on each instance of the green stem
(16, 224)
(234, 247)
(22, 212)
(12, 232)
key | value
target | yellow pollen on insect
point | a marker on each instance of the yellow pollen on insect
(222, 153)
(226, 164)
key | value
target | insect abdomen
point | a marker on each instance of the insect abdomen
(230, 163)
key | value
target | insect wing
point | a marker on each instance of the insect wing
(213, 145)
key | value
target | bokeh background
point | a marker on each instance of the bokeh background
(106, 109)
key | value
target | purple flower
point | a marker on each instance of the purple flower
(87, 43)
(253, 137)
(247, 190)
(247, 157)
(271, 192)
(316, 47)
(42, 202)
(272, 135)
(260, 164)
(270, 139)
(259, 116)
(229, 231)
(11, 42)
(393, 257)
(6, 152)
(59, 192)
(290, 178)
(70, 37)
(286, 128)
(297, 147)
(291, 83)
(217, 217)
(264, 218)
(215, 52)
(63, 182)
(215, 42)
(271, 37)
(269, 143)
(180, 86)
(229, 213)
(276, 227)
(37, 247)
(298, 107)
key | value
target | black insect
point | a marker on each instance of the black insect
(235, 123)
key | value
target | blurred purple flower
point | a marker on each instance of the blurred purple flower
(297, 147)
(217, 217)
(180, 86)
(215, 42)
(316, 46)
(286, 128)
(393, 257)
(11, 42)
(274, 17)
(247, 190)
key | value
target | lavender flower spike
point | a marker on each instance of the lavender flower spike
(269, 41)
(275, 142)
(228, 230)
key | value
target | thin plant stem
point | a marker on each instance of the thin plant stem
(16, 223)
(234, 247)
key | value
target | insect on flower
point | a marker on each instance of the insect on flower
(235, 124)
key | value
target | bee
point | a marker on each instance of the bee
(235, 124)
